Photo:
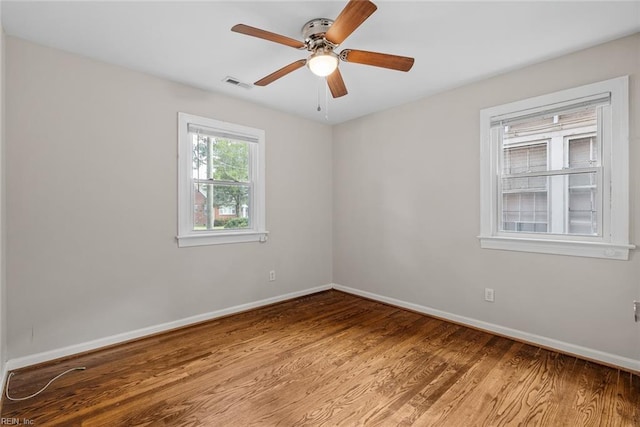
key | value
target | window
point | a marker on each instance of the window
(221, 182)
(554, 173)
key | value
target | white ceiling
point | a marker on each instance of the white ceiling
(454, 43)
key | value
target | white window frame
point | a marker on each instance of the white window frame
(614, 241)
(187, 236)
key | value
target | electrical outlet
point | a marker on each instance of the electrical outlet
(489, 294)
(272, 276)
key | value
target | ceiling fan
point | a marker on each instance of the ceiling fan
(321, 37)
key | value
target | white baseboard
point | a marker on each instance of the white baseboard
(583, 352)
(46, 356)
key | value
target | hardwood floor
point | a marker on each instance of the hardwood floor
(326, 359)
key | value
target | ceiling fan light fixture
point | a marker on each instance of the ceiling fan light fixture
(321, 37)
(322, 63)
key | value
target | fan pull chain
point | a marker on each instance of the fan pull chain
(326, 101)
(319, 88)
(322, 81)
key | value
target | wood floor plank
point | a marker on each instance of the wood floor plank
(627, 400)
(326, 359)
(521, 394)
(482, 404)
(558, 385)
(456, 402)
(597, 383)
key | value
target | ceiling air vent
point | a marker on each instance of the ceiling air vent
(236, 82)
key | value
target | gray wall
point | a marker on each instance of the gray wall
(92, 216)
(406, 213)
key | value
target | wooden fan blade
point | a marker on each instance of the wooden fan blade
(353, 14)
(281, 73)
(266, 35)
(336, 84)
(384, 60)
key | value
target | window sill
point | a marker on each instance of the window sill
(558, 247)
(205, 239)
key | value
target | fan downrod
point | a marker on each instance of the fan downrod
(314, 32)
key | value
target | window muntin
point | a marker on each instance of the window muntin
(587, 192)
(221, 182)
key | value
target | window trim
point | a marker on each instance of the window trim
(614, 242)
(187, 236)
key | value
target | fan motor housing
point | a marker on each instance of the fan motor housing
(314, 31)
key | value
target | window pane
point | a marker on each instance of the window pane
(529, 183)
(575, 206)
(220, 159)
(582, 180)
(528, 158)
(582, 152)
(583, 209)
(525, 211)
(219, 207)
